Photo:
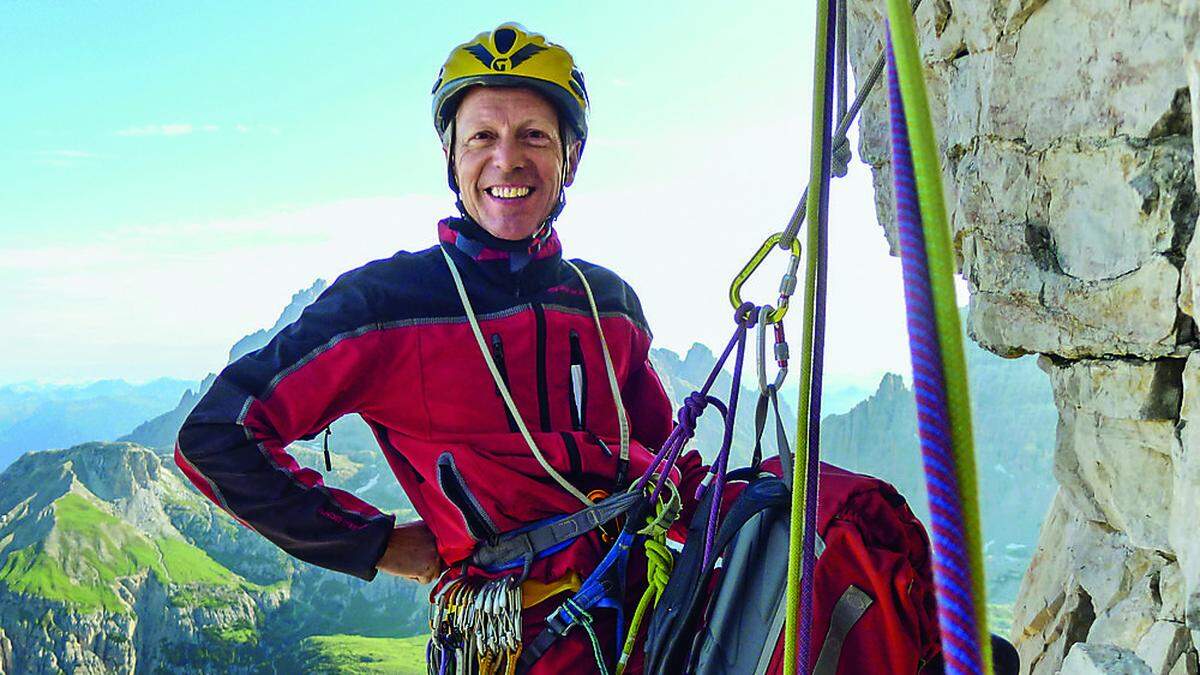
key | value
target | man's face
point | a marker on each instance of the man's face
(508, 159)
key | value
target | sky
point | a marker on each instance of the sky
(174, 172)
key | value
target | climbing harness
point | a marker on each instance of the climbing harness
(604, 588)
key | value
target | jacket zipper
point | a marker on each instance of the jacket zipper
(539, 315)
(498, 357)
(577, 396)
(454, 486)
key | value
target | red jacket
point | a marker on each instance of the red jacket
(390, 341)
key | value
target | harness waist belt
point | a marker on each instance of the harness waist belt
(519, 545)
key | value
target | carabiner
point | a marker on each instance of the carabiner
(781, 355)
(787, 285)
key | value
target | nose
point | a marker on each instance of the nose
(509, 155)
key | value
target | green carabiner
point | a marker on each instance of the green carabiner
(786, 287)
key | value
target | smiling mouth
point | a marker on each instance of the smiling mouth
(507, 192)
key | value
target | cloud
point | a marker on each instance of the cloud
(185, 129)
(73, 154)
(161, 130)
(62, 158)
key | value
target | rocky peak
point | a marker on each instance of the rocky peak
(891, 385)
(289, 314)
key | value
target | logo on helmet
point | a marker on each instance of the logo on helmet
(503, 63)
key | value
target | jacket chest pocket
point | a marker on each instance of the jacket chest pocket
(577, 390)
(497, 347)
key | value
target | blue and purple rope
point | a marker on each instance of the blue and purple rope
(957, 617)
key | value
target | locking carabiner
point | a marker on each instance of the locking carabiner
(780, 351)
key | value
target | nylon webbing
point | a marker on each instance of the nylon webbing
(622, 420)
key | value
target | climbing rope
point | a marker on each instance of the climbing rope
(659, 564)
(802, 541)
(841, 143)
(935, 344)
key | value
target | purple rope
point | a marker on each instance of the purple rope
(689, 413)
(951, 567)
(813, 469)
(686, 419)
(745, 322)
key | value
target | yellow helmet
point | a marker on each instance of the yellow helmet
(512, 56)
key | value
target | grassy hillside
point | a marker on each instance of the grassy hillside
(357, 655)
(88, 549)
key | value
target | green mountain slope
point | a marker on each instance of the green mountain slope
(109, 562)
(357, 655)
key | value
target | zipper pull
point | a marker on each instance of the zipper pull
(328, 463)
(600, 442)
(498, 357)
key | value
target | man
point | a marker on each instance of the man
(505, 385)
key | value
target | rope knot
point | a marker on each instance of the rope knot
(745, 315)
(840, 161)
(693, 408)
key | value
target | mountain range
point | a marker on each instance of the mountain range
(42, 416)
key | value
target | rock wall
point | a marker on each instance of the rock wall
(1067, 144)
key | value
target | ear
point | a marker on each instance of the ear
(573, 154)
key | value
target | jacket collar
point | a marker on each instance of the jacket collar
(517, 266)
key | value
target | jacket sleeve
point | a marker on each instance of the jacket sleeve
(232, 446)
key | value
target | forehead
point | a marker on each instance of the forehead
(515, 105)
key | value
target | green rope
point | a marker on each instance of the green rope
(941, 257)
(584, 620)
(659, 563)
(800, 464)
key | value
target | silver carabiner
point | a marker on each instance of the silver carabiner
(780, 352)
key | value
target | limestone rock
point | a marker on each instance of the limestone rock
(1185, 503)
(1067, 174)
(1188, 664)
(1068, 145)
(1189, 296)
(1163, 646)
(1053, 612)
(1173, 591)
(1117, 419)
(1087, 659)
(6, 654)
(1128, 622)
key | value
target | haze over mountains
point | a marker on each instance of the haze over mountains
(110, 560)
(42, 416)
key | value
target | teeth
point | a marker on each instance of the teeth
(508, 192)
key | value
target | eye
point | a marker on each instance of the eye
(538, 136)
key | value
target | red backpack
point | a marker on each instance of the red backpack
(874, 603)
